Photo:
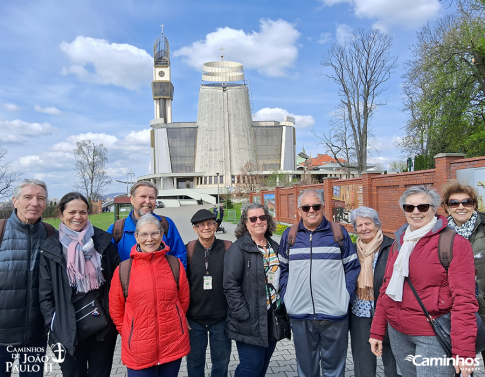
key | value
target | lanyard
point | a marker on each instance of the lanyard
(207, 260)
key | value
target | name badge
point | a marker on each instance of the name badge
(271, 277)
(207, 282)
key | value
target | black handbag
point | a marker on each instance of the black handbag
(442, 327)
(278, 324)
(90, 317)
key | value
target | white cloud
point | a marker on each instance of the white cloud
(270, 51)
(343, 33)
(10, 107)
(48, 110)
(139, 137)
(114, 64)
(324, 38)
(407, 13)
(301, 121)
(13, 131)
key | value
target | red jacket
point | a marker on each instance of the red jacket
(439, 293)
(152, 321)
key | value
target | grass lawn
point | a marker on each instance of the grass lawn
(237, 207)
(102, 221)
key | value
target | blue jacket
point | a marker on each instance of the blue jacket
(318, 279)
(173, 240)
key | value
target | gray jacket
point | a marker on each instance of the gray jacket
(477, 239)
(21, 321)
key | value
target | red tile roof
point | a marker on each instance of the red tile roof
(321, 159)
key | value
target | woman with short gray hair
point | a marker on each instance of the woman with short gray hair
(415, 262)
(373, 251)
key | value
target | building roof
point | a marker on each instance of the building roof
(321, 159)
(122, 200)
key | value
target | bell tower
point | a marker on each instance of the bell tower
(162, 87)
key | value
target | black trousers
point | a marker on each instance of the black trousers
(91, 358)
(365, 362)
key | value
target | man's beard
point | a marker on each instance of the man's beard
(142, 210)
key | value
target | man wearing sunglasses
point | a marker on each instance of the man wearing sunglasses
(318, 289)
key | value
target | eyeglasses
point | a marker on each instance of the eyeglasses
(316, 207)
(421, 207)
(144, 236)
(453, 203)
(207, 223)
(253, 219)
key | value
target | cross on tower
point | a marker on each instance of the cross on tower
(222, 55)
(162, 25)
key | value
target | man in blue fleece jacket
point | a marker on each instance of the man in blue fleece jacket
(318, 279)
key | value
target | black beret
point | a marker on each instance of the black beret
(202, 215)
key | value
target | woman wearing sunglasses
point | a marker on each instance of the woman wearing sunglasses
(251, 285)
(414, 259)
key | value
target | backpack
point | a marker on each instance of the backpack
(125, 272)
(191, 249)
(336, 228)
(3, 224)
(119, 225)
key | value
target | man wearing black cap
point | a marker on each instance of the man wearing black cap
(208, 307)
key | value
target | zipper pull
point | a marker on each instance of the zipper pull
(311, 234)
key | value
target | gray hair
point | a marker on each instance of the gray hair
(310, 192)
(423, 190)
(29, 182)
(143, 183)
(242, 229)
(147, 219)
(371, 213)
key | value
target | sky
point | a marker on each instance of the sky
(83, 70)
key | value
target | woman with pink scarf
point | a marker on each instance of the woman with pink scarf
(76, 267)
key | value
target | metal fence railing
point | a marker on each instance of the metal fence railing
(232, 215)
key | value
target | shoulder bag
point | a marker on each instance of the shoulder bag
(90, 317)
(442, 327)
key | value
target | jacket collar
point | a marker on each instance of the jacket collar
(247, 244)
(441, 223)
(130, 225)
(21, 225)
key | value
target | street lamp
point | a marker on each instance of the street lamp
(218, 188)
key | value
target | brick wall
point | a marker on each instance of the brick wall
(379, 191)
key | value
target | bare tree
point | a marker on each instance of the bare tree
(361, 66)
(90, 162)
(398, 166)
(7, 176)
(249, 180)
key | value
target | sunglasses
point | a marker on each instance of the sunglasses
(453, 203)
(253, 219)
(421, 207)
(316, 207)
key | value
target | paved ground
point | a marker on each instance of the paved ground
(283, 362)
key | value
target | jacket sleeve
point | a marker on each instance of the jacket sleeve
(46, 292)
(283, 258)
(117, 301)
(351, 264)
(461, 277)
(379, 322)
(175, 243)
(233, 280)
(184, 290)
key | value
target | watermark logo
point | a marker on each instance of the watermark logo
(34, 359)
(419, 360)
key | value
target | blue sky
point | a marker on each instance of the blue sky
(73, 70)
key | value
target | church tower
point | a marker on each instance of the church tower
(162, 87)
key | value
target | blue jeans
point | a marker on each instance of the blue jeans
(220, 346)
(25, 368)
(170, 369)
(253, 360)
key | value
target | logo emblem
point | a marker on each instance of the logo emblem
(59, 353)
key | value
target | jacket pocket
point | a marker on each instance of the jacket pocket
(131, 333)
(180, 318)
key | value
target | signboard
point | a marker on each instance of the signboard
(346, 198)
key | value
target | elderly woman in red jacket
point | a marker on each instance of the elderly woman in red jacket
(151, 320)
(415, 256)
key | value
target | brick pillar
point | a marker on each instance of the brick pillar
(327, 195)
(277, 201)
(368, 192)
(443, 171)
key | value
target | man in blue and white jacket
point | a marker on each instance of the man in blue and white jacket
(318, 280)
(143, 196)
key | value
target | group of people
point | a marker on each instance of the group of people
(79, 287)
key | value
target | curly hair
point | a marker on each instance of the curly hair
(455, 187)
(241, 228)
